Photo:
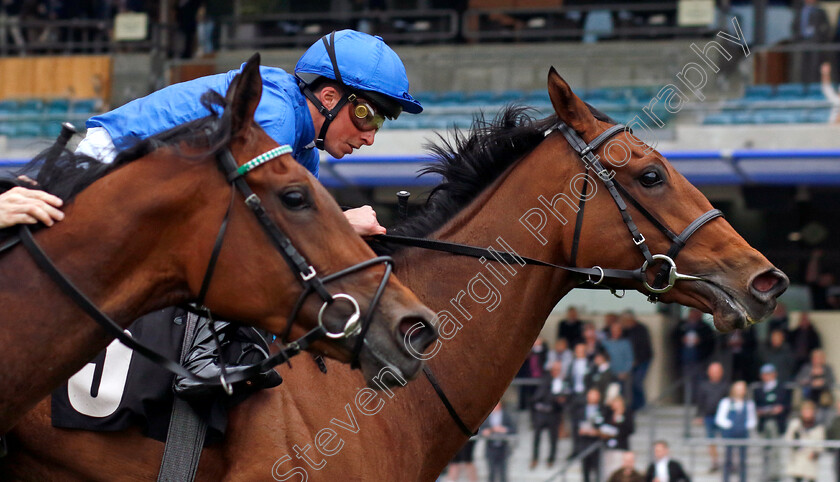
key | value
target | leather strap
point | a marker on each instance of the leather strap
(449, 408)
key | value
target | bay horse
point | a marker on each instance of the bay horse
(330, 427)
(140, 236)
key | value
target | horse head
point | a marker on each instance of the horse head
(254, 283)
(726, 276)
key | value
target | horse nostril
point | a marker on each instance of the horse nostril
(417, 331)
(769, 284)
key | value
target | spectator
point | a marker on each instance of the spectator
(610, 319)
(803, 462)
(533, 367)
(709, 395)
(588, 421)
(779, 320)
(639, 337)
(616, 431)
(621, 356)
(561, 353)
(694, 340)
(810, 27)
(571, 328)
(817, 381)
(804, 340)
(601, 377)
(830, 93)
(497, 429)
(772, 402)
(736, 417)
(821, 284)
(463, 461)
(590, 339)
(547, 411)
(833, 433)
(778, 354)
(663, 469)
(627, 472)
(741, 347)
(576, 375)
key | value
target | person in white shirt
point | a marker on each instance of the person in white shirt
(830, 93)
(736, 417)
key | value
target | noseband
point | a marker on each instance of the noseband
(304, 272)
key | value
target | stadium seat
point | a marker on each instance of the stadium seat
(28, 129)
(790, 91)
(30, 107)
(480, 97)
(8, 107)
(721, 118)
(58, 106)
(83, 106)
(817, 116)
(51, 129)
(758, 92)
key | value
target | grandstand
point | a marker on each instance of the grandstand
(748, 124)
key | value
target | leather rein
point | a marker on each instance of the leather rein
(594, 277)
(305, 273)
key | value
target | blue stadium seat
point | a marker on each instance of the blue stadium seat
(51, 129)
(538, 97)
(8, 107)
(758, 92)
(58, 106)
(790, 91)
(83, 106)
(31, 107)
(28, 129)
(481, 97)
(814, 91)
(427, 97)
(517, 96)
(779, 116)
(450, 98)
(721, 118)
(8, 129)
(817, 116)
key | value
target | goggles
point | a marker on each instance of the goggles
(364, 115)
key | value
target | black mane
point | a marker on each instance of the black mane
(471, 161)
(66, 174)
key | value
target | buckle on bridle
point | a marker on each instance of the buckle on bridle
(642, 240)
(352, 327)
(308, 276)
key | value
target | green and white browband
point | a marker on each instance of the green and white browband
(262, 159)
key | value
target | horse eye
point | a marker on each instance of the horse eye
(650, 179)
(294, 199)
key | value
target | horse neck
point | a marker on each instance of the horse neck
(476, 365)
(110, 245)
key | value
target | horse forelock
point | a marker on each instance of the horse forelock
(471, 161)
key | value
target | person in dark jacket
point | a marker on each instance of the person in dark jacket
(589, 419)
(547, 411)
(664, 469)
(639, 336)
(571, 327)
(709, 394)
(694, 341)
(497, 429)
(627, 472)
(779, 354)
(600, 376)
(803, 340)
(772, 405)
(615, 432)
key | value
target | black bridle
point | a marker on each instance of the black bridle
(304, 272)
(595, 276)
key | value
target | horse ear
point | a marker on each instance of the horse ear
(243, 95)
(569, 108)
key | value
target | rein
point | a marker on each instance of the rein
(305, 272)
(594, 277)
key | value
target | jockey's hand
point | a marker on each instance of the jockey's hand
(364, 221)
(29, 206)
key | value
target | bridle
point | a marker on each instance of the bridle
(305, 273)
(595, 277)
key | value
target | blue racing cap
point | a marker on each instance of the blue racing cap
(364, 62)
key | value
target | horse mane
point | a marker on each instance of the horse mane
(471, 161)
(65, 173)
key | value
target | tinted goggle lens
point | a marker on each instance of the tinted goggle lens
(364, 115)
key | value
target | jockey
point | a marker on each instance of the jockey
(342, 90)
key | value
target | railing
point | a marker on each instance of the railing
(566, 23)
(27, 37)
(596, 446)
(302, 29)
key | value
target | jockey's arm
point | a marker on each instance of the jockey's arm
(29, 206)
(364, 221)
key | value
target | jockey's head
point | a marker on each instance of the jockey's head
(359, 73)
